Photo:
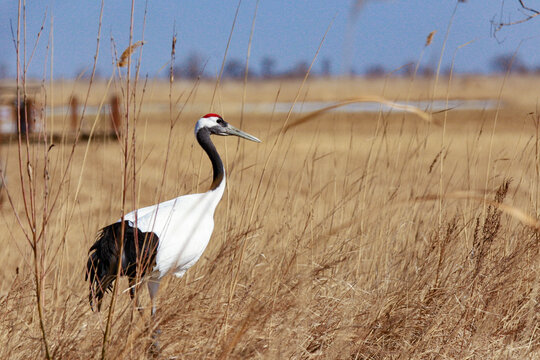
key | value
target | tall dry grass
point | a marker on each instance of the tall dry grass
(340, 237)
(341, 259)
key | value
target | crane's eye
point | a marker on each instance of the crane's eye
(221, 122)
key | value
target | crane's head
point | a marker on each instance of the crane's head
(217, 126)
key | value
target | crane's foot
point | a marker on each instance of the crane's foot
(155, 348)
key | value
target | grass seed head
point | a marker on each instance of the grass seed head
(127, 53)
(429, 38)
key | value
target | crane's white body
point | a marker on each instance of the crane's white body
(183, 225)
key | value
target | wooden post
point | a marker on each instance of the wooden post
(74, 112)
(26, 113)
(116, 117)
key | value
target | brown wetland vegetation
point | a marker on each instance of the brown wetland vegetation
(350, 236)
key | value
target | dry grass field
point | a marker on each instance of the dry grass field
(350, 236)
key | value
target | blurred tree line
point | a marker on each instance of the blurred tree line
(193, 67)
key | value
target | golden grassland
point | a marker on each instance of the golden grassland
(339, 238)
(515, 90)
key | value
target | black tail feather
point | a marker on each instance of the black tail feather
(137, 257)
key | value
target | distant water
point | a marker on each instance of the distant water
(371, 107)
(8, 124)
(306, 107)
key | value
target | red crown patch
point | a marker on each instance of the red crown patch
(211, 115)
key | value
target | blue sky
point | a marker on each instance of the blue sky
(388, 33)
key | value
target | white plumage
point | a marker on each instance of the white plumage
(183, 225)
(165, 238)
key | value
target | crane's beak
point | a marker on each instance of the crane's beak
(231, 130)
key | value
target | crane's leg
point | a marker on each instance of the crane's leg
(153, 287)
(134, 294)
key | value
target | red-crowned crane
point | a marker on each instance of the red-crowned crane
(165, 238)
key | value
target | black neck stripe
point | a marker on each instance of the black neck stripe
(203, 137)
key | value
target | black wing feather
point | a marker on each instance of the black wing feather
(138, 257)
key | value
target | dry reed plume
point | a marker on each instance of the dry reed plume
(127, 53)
(429, 38)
